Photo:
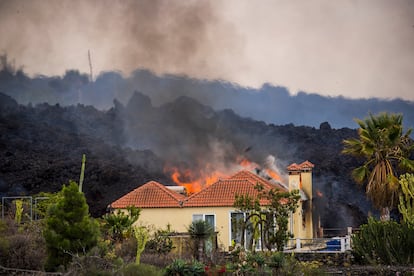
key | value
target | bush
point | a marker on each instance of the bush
(180, 267)
(140, 270)
(277, 260)
(127, 249)
(22, 246)
(177, 267)
(256, 259)
(160, 243)
(384, 242)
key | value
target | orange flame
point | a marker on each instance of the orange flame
(273, 174)
(246, 164)
(191, 181)
(194, 181)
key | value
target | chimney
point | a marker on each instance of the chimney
(177, 189)
(300, 177)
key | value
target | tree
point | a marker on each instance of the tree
(269, 222)
(250, 206)
(276, 226)
(200, 231)
(119, 224)
(42, 202)
(386, 150)
(69, 229)
(406, 204)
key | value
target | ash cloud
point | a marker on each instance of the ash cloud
(163, 36)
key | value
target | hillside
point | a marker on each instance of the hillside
(269, 103)
(127, 145)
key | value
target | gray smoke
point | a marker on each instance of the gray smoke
(163, 36)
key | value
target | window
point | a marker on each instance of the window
(235, 227)
(237, 220)
(209, 218)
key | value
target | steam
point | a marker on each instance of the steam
(195, 141)
(275, 165)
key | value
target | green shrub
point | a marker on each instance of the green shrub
(384, 242)
(277, 260)
(160, 243)
(140, 270)
(22, 246)
(196, 268)
(256, 259)
(177, 267)
(180, 267)
(127, 249)
(311, 268)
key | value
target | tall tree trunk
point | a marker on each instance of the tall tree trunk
(200, 250)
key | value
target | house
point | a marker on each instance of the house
(161, 205)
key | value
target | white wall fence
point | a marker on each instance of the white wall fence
(319, 245)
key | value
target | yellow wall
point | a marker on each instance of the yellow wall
(181, 218)
(301, 224)
(308, 232)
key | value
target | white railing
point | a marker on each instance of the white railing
(322, 245)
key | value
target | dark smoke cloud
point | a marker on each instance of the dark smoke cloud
(163, 36)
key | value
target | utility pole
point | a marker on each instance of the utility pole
(82, 174)
(90, 66)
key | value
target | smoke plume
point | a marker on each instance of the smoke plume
(163, 36)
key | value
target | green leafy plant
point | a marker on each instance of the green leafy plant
(200, 231)
(179, 267)
(133, 269)
(42, 202)
(277, 260)
(119, 223)
(406, 204)
(69, 229)
(22, 246)
(141, 235)
(384, 242)
(19, 211)
(196, 268)
(385, 149)
(176, 268)
(160, 243)
(270, 221)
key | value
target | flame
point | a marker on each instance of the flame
(194, 182)
(247, 164)
(273, 175)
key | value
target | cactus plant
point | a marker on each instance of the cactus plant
(141, 235)
(406, 205)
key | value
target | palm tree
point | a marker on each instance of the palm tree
(386, 151)
(200, 231)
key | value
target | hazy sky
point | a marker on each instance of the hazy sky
(354, 48)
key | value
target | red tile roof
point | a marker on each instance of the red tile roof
(150, 195)
(307, 165)
(223, 193)
(257, 179)
(302, 166)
